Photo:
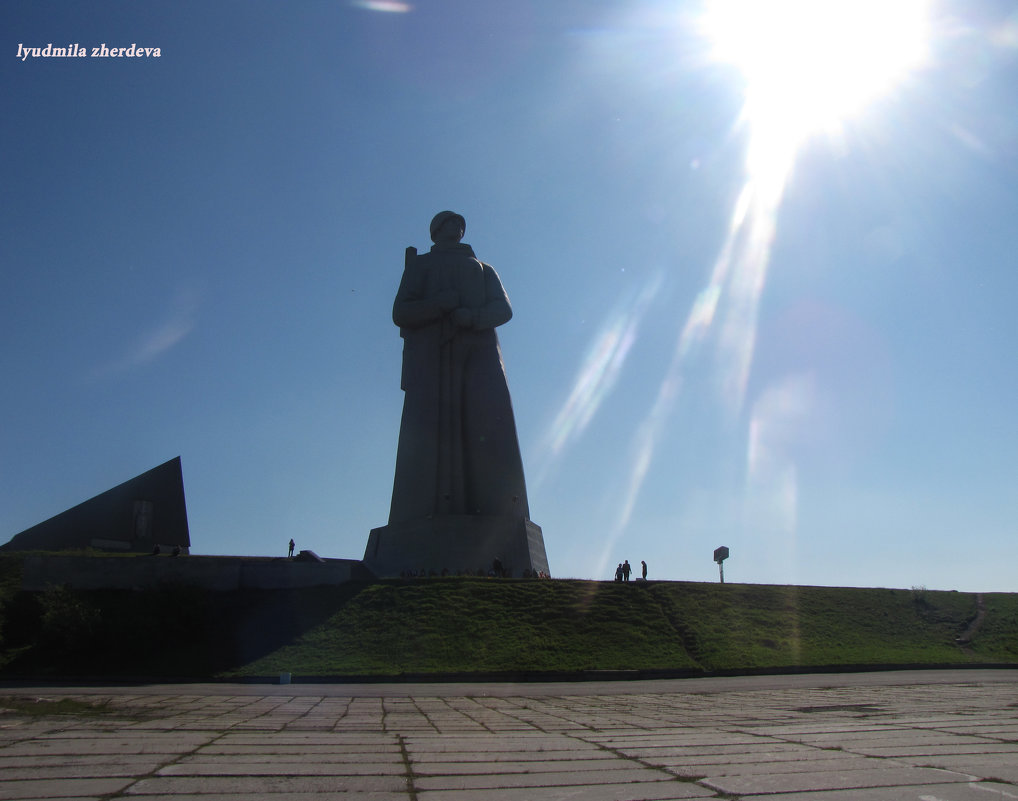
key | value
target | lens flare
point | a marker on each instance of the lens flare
(772, 475)
(808, 65)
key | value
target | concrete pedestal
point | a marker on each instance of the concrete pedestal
(457, 544)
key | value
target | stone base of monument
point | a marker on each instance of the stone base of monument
(457, 544)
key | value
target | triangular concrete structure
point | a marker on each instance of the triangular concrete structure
(135, 516)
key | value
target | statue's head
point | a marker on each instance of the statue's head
(448, 226)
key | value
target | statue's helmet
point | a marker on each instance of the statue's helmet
(439, 220)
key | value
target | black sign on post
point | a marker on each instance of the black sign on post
(720, 554)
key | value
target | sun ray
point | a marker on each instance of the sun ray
(808, 65)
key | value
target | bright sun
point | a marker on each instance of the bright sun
(810, 64)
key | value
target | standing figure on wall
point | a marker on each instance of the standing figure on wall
(458, 451)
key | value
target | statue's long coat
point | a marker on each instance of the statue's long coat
(458, 449)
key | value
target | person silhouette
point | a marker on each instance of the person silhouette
(292, 544)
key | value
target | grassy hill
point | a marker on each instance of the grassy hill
(490, 627)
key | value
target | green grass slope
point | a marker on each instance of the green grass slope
(759, 626)
(479, 626)
(483, 626)
(486, 626)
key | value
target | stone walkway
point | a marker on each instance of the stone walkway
(944, 736)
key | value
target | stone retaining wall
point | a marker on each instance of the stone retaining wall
(211, 572)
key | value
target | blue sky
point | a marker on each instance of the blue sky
(200, 251)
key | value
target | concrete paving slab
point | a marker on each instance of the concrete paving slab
(104, 770)
(513, 766)
(265, 785)
(372, 795)
(658, 791)
(221, 767)
(826, 738)
(420, 762)
(705, 737)
(63, 760)
(620, 774)
(999, 766)
(60, 788)
(907, 752)
(767, 749)
(496, 745)
(777, 767)
(78, 798)
(831, 780)
(974, 791)
(313, 752)
(307, 739)
(888, 738)
(92, 747)
(803, 757)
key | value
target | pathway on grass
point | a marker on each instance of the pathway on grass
(974, 626)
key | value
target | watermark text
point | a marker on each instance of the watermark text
(76, 50)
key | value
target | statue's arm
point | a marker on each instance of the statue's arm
(496, 309)
(412, 307)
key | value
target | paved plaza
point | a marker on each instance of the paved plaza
(898, 736)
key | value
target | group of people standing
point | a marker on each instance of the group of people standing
(624, 570)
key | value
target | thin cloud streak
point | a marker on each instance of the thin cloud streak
(597, 377)
(384, 6)
(151, 346)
